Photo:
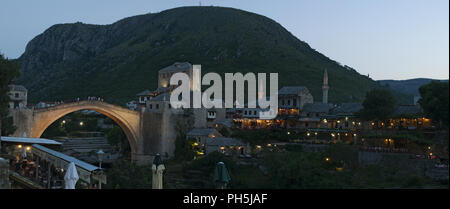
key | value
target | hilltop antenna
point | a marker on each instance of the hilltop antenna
(200, 3)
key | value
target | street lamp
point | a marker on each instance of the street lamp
(100, 154)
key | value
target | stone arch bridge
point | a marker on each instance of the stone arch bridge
(144, 144)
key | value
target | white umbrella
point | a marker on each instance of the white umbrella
(71, 176)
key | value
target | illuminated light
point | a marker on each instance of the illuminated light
(315, 133)
(355, 136)
(339, 134)
(372, 123)
(200, 153)
(338, 121)
(392, 124)
(81, 123)
(332, 134)
(258, 146)
(359, 123)
(217, 125)
(346, 134)
(325, 121)
(429, 147)
(28, 148)
(327, 159)
(269, 145)
(308, 134)
(346, 118)
(64, 121)
(353, 123)
(195, 144)
(19, 146)
(431, 153)
(239, 148)
(382, 124)
(338, 169)
(222, 148)
(288, 132)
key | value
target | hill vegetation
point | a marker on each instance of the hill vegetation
(117, 61)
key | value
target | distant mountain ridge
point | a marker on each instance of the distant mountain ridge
(409, 86)
(118, 60)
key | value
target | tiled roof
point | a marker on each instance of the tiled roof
(67, 158)
(316, 107)
(17, 88)
(407, 110)
(177, 66)
(27, 140)
(347, 108)
(291, 90)
(144, 93)
(161, 97)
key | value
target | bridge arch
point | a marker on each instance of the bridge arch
(128, 120)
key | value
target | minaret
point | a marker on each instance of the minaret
(325, 88)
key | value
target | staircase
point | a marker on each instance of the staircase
(86, 149)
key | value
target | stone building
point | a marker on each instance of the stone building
(166, 73)
(143, 96)
(202, 134)
(312, 115)
(291, 99)
(229, 146)
(18, 95)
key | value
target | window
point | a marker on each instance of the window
(282, 102)
(254, 112)
(245, 112)
(17, 95)
(294, 102)
(151, 106)
(157, 106)
(289, 102)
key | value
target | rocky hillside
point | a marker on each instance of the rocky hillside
(117, 61)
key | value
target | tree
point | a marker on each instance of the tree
(378, 105)
(125, 174)
(183, 151)
(434, 101)
(8, 71)
(118, 139)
